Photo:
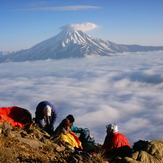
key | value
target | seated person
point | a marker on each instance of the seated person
(46, 116)
(84, 135)
(115, 144)
(70, 140)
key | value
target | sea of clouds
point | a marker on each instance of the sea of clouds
(123, 89)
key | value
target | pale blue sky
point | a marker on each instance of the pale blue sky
(25, 23)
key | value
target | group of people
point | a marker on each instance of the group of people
(80, 139)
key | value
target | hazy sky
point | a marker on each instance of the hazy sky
(25, 23)
(124, 89)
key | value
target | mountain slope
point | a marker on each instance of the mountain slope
(33, 145)
(71, 43)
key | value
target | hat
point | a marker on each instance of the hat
(70, 118)
(112, 128)
(47, 111)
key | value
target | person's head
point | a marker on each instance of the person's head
(65, 124)
(47, 114)
(71, 118)
(111, 128)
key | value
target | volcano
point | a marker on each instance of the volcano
(72, 43)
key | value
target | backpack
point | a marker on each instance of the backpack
(85, 136)
(140, 145)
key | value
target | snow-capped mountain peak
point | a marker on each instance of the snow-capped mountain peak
(72, 43)
(74, 36)
(77, 37)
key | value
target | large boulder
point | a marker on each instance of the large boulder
(152, 153)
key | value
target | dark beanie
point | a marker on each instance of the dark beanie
(71, 118)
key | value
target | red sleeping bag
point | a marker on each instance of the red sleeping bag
(18, 117)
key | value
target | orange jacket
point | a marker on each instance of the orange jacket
(113, 141)
(17, 116)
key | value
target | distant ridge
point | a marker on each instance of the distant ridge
(72, 43)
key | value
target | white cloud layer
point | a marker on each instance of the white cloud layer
(82, 27)
(122, 89)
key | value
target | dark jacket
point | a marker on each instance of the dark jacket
(40, 114)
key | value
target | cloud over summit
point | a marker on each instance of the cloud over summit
(82, 27)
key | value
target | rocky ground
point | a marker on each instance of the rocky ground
(34, 146)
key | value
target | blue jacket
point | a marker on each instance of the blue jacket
(40, 115)
(77, 130)
(83, 134)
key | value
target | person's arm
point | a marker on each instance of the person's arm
(76, 129)
(39, 118)
(40, 123)
(52, 121)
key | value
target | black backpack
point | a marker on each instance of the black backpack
(140, 145)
